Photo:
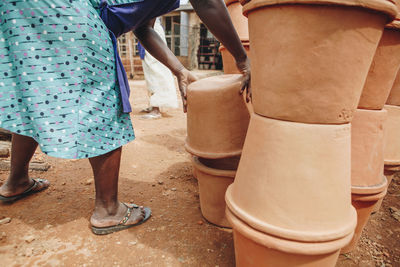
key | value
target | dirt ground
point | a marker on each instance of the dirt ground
(52, 228)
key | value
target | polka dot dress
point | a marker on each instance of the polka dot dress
(58, 80)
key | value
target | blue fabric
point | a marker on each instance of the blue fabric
(123, 18)
(142, 51)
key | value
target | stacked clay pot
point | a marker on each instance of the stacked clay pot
(290, 203)
(214, 176)
(369, 185)
(241, 25)
(392, 133)
(217, 122)
(228, 60)
(392, 142)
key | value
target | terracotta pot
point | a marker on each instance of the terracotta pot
(228, 2)
(364, 205)
(217, 117)
(392, 133)
(389, 177)
(194, 169)
(228, 60)
(377, 206)
(367, 140)
(293, 180)
(394, 96)
(239, 21)
(256, 249)
(304, 57)
(383, 71)
(214, 176)
(392, 168)
(389, 172)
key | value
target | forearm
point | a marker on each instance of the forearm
(215, 16)
(152, 42)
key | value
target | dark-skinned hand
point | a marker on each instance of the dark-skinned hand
(185, 77)
(244, 68)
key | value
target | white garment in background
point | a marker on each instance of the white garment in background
(159, 79)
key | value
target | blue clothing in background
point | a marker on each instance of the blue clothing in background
(142, 51)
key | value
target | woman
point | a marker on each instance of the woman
(62, 87)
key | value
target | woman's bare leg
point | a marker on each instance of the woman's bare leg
(108, 210)
(22, 150)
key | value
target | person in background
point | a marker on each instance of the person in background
(159, 80)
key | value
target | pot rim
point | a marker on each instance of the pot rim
(244, 43)
(387, 106)
(372, 111)
(392, 168)
(369, 197)
(395, 24)
(212, 171)
(385, 6)
(392, 162)
(228, 2)
(294, 235)
(285, 245)
(371, 189)
(211, 155)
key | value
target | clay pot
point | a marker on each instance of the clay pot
(383, 71)
(257, 249)
(239, 21)
(214, 176)
(394, 96)
(389, 174)
(367, 140)
(389, 177)
(392, 168)
(293, 180)
(304, 57)
(364, 204)
(392, 133)
(217, 117)
(194, 169)
(229, 61)
(228, 2)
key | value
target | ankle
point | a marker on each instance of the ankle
(15, 181)
(109, 208)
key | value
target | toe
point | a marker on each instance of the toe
(41, 184)
(137, 215)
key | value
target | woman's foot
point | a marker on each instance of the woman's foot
(126, 214)
(13, 191)
(146, 110)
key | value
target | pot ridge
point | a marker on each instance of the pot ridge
(212, 171)
(293, 235)
(285, 245)
(385, 6)
(373, 189)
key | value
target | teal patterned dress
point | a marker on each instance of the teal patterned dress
(58, 80)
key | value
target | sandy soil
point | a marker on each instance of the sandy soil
(52, 228)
